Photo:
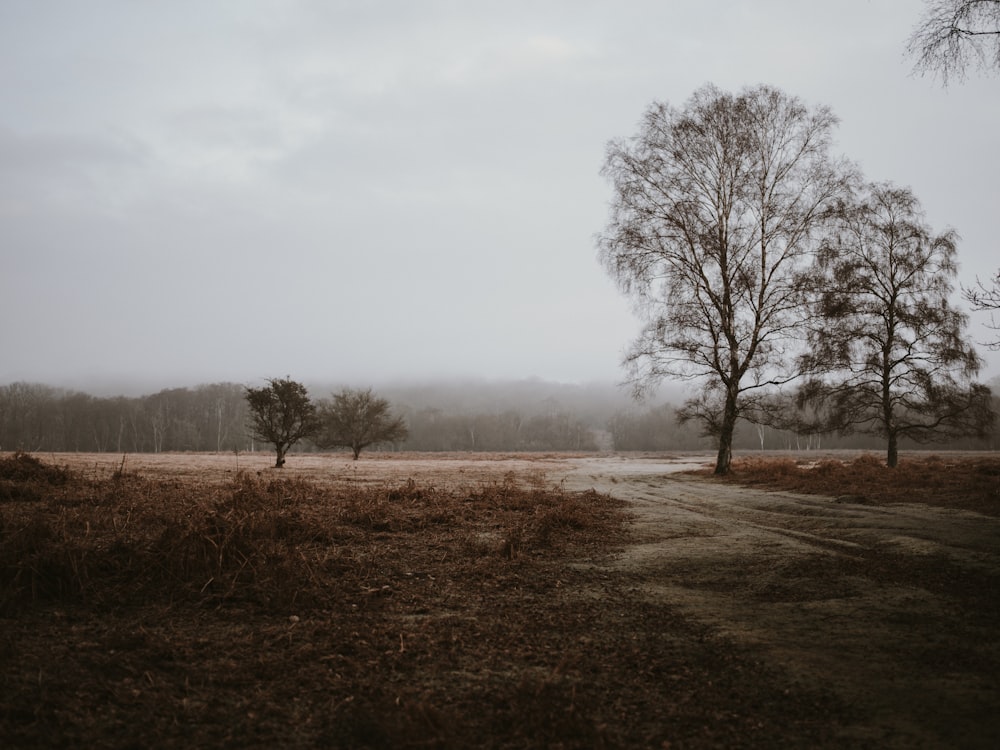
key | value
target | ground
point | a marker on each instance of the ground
(495, 601)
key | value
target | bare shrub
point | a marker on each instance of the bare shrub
(23, 467)
(23, 478)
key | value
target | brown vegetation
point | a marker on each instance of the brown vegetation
(288, 612)
(947, 481)
(327, 608)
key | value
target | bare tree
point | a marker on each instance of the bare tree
(897, 363)
(954, 34)
(281, 413)
(986, 299)
(714, 222)
(356, 420)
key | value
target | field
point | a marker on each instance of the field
(501, 601)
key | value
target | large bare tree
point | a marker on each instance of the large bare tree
(716, 214)
(954, 34)
(896, 361)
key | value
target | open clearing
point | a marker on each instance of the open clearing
(716, 616)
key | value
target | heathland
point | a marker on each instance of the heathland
(498, 600)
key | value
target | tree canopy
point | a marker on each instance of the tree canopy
(281, 413)
(953, 35)
(717, 210)
(985, 298)
(357, 419)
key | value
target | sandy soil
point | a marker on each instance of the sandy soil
(893, 610)
(871, 603)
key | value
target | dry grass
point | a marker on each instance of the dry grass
(270, 540)
(440, 469)
(276, 610)
(323, 606)
(967, 483)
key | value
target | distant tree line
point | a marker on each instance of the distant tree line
(656, 429)
(36, 417)
(433, 429)
(215, 418)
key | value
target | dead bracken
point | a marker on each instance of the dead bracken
(486, 608)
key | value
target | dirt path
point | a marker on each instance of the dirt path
(894, 610)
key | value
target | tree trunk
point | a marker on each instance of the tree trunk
(280, 461)
(892, 457)
(725, 457)
(357, 452)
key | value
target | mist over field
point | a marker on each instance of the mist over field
(441, 415)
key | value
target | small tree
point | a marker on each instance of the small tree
(281, 413)
(356, 420)
(895, 358)
(954, 33)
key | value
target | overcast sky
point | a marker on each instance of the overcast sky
(361, 191)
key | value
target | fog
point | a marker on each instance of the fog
(386, 192)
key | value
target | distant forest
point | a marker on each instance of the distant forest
(516, 416)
